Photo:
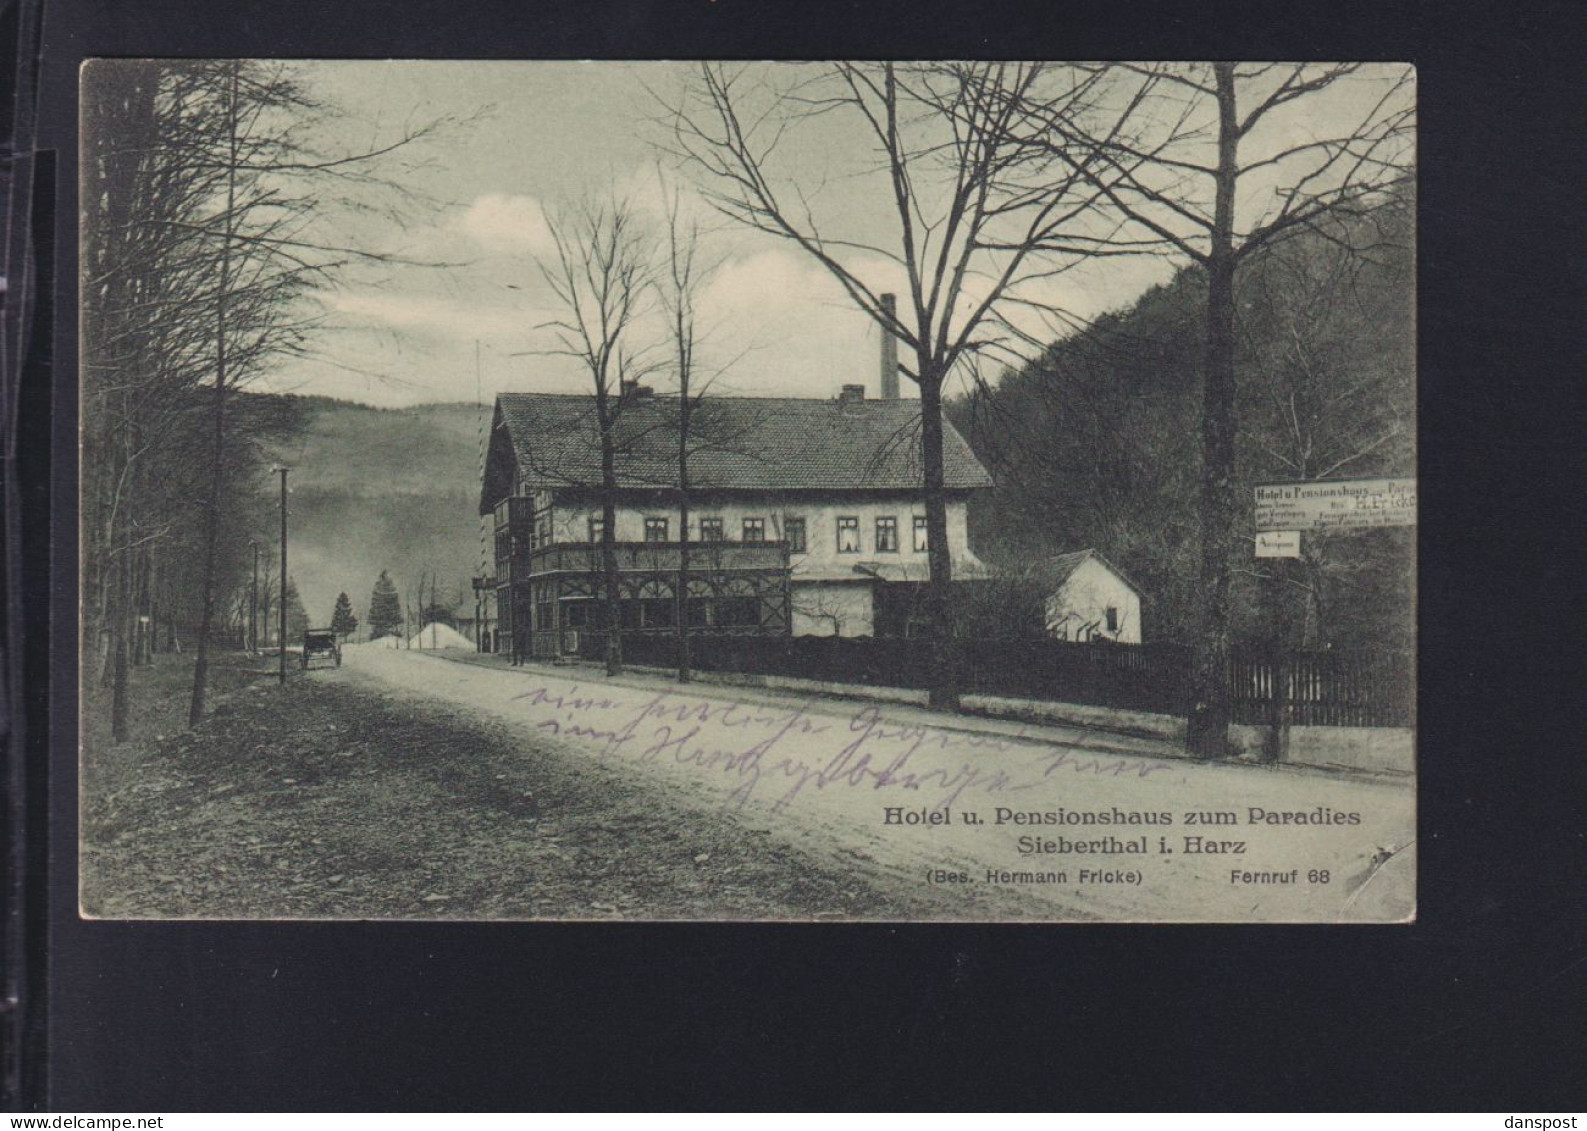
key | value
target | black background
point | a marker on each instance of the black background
(1479, 1005)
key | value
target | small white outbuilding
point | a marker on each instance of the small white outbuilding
(1090, 599)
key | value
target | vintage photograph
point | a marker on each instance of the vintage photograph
(830, 491)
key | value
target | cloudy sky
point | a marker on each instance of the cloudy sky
(535, 136)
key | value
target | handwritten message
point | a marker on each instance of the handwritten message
(980, 818)
(774, 753)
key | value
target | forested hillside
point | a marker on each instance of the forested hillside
(1096, 443)
(380, 489)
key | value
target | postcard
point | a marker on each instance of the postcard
(965, 491)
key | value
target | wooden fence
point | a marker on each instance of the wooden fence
(1301, 689)
(1322, 689)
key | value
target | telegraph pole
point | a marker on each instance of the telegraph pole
(282, 471)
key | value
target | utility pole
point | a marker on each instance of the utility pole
(253, 601)
(283, 634)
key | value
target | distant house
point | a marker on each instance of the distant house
(1088, 598)
(805, 516)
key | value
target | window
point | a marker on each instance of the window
(710, 530)
(738, 612)
(920, 534)
(659, 612)
(597, 529)
(754, 530)
(794, 531)
(655, 530)
(887, 535)
(848, 535)
(1113, 618)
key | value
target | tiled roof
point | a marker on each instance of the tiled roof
(1057, 569)
(738, 443)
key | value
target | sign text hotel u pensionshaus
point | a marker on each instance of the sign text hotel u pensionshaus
(1337, 504)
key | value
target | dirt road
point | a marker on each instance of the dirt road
(940, 819)
(336, 798)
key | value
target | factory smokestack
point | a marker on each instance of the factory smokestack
(889, 390)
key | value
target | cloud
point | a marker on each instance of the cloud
(649, 188)
(430, 315)
(788, 326)
(510, 224)
(491, 231)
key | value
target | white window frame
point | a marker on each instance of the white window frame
(849, 522)
(889, 523)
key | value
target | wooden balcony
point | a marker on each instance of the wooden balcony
(659, 557)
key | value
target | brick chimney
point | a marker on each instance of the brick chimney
(851, 394)
(889, 386)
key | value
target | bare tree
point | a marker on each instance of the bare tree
(200, 202)
(979, 218)
(149, 303)
(267, 255)
(1327, 389)
(129, 406)
(601, 278)
(678, 285)
(1219, 161)
(699, 426)
(232, 141)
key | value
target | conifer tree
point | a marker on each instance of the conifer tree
(343, 622)
(385, 610)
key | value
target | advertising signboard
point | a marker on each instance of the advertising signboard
(1336, 504)
(1278, 544)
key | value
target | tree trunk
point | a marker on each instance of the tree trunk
(685, 672)
(195, 711)
(1313, 636)
(119, 696)
(944, 684)
(1207, 730)
(614, 598)
(144, 652)
(156, 606)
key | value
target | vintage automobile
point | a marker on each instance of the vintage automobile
(320, 644)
